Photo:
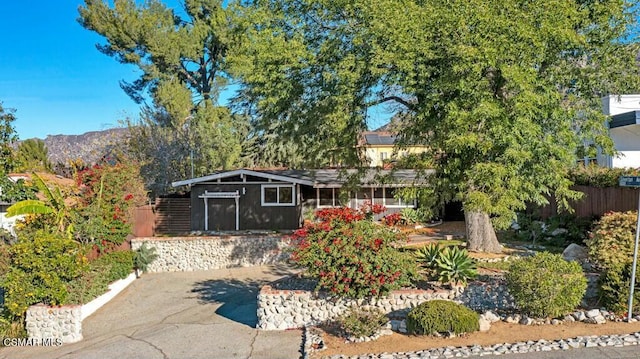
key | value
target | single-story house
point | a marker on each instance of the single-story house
(247, 199)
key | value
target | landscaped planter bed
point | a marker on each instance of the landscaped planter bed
(65, 322)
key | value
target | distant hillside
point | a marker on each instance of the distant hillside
(89, 147)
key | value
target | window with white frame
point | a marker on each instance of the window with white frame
(387, 197)
(326, 197)
(278, 195)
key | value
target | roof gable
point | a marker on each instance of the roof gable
(325, 178)
(245, 172)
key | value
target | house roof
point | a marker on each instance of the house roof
(379, 138)
(324, 178)
(625, 119)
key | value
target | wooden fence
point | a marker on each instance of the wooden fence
(597, 201)
(167, 216)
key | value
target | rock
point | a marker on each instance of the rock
(574, 252)
(579, 316)
(526, 321)
(599, 319)
(485, 324)
(569, 318)
(593, 313)
(491, 316)
(555, 322)
(559, 231)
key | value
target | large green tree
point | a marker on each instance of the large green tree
(32, 156)
(8, 137)
(503, 91)
(181, 54)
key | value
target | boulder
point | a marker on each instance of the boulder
(490, 316)
(575, 252)
(485, 324)
(559, 231)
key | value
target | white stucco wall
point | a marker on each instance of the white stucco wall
(614, 104)
(626, 139)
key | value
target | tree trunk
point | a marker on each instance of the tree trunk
(481, 237)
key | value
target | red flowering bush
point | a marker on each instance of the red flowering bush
(352, 257)
(392, 219)
(108, 197)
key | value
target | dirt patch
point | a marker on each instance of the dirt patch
(499, 333)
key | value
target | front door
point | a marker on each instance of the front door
(222, 214)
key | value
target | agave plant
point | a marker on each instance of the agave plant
(428, 255)
(144, 256)
(454, 266)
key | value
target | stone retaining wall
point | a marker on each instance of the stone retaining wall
(286, 309)
(45, 323)
(186, 254)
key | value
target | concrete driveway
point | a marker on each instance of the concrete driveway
(209, 314)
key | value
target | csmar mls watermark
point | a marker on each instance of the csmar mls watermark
(31, 342)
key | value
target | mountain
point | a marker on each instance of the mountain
(89, 147)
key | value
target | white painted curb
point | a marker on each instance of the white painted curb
(114, 289)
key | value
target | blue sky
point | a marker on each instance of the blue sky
(52, 74)
(54, 77)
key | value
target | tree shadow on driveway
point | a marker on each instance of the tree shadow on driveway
(238, 298)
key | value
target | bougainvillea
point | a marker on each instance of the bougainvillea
(351, 256)
(109, 195)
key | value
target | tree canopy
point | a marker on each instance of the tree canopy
(7, 137)
(181, 54)
(32, 156)
(503, 92)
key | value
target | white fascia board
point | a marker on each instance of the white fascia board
(241, 172)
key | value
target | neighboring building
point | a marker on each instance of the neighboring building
(276, 199)
(379, 148)
(624, 129)
(8, 223)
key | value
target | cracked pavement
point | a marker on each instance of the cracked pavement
(207, 314)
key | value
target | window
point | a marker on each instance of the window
(378, 196)
(326, 197)
(383, 156)
(278, 195)
(391, 201)
(363, 196)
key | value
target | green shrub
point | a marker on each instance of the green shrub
(442, 316)
(102, 271)
(612, 239)
(352, 257)
(598, 176)
(11, 327)
(120, 264)
(546, 285)
(613, 289)
(40, 269)
(360, 322)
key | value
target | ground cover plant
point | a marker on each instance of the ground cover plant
(362, 322)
